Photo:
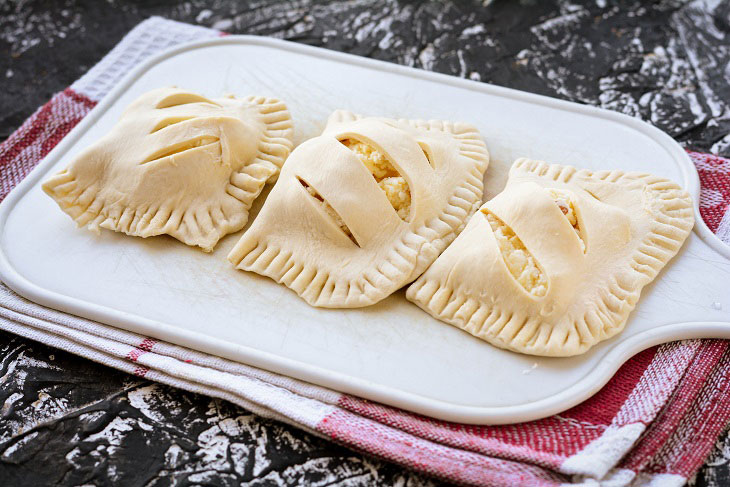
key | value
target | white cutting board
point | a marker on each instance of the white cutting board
(391, 352)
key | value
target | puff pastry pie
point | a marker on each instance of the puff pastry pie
(555, 263)
(364, 208)
(177, 163)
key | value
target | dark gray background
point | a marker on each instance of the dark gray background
(68, 421)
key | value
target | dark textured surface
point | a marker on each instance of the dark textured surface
(67, 421)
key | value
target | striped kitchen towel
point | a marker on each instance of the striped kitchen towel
(652, 424)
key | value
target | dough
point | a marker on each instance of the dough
(556, 262)
(364, 208)
(177, 163)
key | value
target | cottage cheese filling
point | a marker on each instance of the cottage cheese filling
(388, 178)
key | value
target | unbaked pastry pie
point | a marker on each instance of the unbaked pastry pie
(555, 262)
(364, 208)
(177, 163)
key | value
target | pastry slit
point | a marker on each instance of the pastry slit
(565, 202)
(181, 147)
(592, 194)
(390, 181)
(170, 121)
(520, 262)
(331, 212)
(177, 99)
(427, 154)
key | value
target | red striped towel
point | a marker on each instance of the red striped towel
(652, 424)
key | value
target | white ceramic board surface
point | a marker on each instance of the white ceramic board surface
(391, 352)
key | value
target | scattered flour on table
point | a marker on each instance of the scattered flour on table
(23, 28)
